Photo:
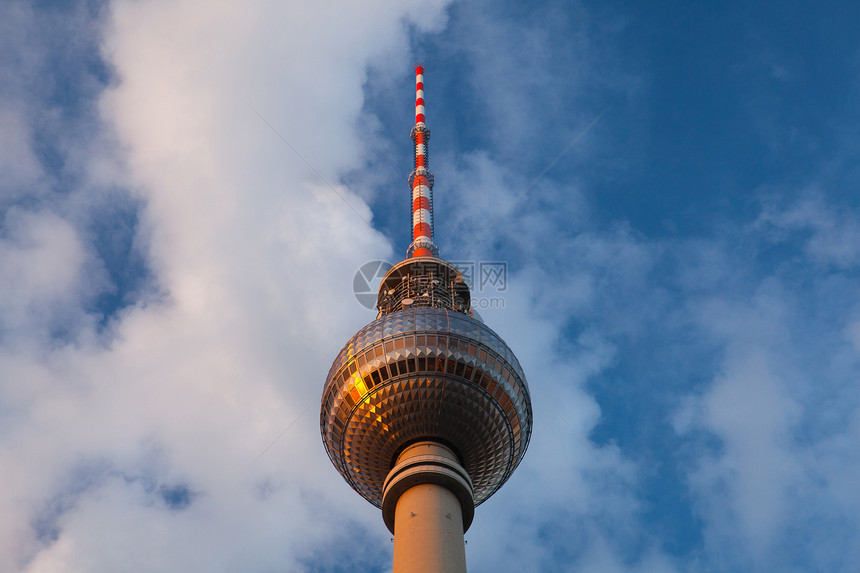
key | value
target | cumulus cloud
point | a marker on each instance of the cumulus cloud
(146, 445)
(778, 405)
(830, 234)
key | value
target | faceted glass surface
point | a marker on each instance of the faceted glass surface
(425, 373)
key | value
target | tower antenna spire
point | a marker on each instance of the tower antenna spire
(421, 179)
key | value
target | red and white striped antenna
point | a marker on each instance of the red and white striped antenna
(421, 180)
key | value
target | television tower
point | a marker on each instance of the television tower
(425, 411)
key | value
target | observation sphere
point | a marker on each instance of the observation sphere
(425, 374)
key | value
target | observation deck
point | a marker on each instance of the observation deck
(425, 370)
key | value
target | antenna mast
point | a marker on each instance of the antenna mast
(421, 180)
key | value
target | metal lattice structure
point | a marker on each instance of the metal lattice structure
(423, 282)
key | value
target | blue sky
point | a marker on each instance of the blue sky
(186, 192)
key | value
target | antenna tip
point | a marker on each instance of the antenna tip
(419, 68)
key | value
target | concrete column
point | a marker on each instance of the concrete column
(428, 505)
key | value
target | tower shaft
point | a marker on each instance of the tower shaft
(428, 532)
(430, 491)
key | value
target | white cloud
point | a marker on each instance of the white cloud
(46, 273)
(768, 490)
(253, 257)
(748, 408)
(831, 235)
(18, 166)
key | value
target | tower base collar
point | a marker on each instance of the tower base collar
(427, 463)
